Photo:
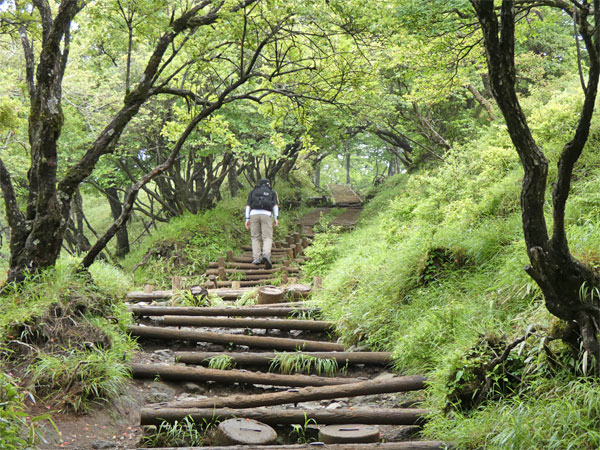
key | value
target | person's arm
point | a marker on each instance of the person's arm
(275, 209)
(247, 214)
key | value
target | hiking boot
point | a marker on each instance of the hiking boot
(267, 262)
(257, 261)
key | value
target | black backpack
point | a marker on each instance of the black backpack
(262, 198)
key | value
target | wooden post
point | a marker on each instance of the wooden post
(299, 249)
(277, 244)
(235, 284)
(176, 283)
(269, 294)
(289, 240)
(229, 256)
(290, 254)
(297, 238)
(222, 274)
(305, 242)
(148, 288)
(213, 280)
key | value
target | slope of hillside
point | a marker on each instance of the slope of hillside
(435, 274)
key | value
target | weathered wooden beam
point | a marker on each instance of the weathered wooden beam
(237, 339)
(248, 311)
(405, 445)
(246, 266)
(278, 416)
(264, 359)
(307, 394)
(245, 283)
(248, 259)
(254, 271)
(158, 295)
(186, 373)
(268, 324)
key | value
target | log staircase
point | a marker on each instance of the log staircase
(252, 338)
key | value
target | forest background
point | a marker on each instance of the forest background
(160, 117)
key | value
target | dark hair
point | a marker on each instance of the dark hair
(263, 182)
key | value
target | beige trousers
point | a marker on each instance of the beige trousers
(261, 231)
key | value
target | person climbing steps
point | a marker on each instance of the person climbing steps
(262, 211)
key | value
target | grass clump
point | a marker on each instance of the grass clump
(184, 433)
(18, 430)
(66, 335)
(221, 362)
(290, 363)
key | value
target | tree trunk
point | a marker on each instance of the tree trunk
(112, 194)
(347, 160)
(317, 174)
(560, 276)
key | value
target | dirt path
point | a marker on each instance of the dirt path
(344, 195)
(250, 334)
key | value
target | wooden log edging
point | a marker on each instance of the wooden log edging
(307, 394)
(255, 271)
(185, 373)
(279, 416)
(405, 445)
(264, 359)
(268, 324)
(213, 312)
(238, 339)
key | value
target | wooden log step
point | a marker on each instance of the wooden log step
(229, 293)
(185, 373)
(298, 304)
(160, 295)
(213, 312)
(248, 283)
(272, 343)
(249, 259)
(242, 265)
(264, 359)
(405, 445)
(278, 416)
(254, 271)
(306, 394)
(274, 250)
(267, 324)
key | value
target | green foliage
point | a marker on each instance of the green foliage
(221, 362)
(289, 363)
(559, 413)
(18, 429)
(321, 253)
(81, 379)
(434, 273)
(182, 433)
(301, 431)
(73, 326)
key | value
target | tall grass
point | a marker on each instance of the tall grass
(434, 273)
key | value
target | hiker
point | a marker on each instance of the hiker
(262, 211)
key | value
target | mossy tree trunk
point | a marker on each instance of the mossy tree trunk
(559, 275)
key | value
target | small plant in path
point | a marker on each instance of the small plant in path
(299, 362)
(300, 431)
(181, 434)
(221, 362)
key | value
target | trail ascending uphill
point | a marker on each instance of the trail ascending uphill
(289, 325)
